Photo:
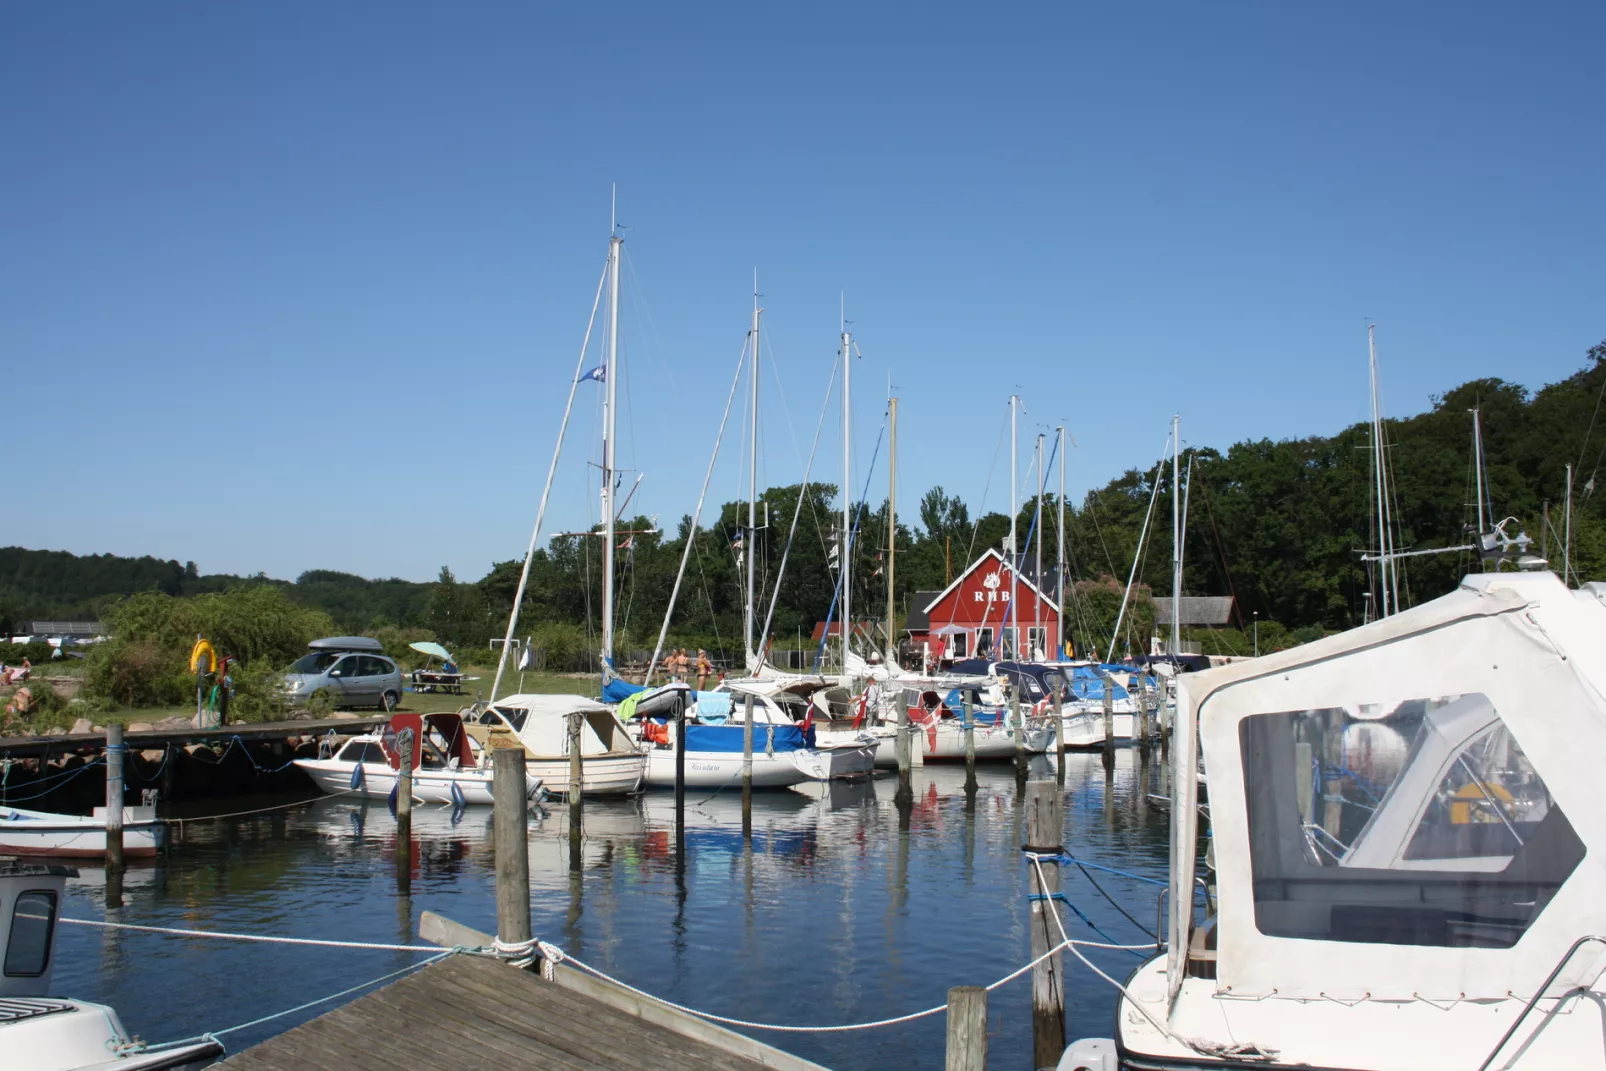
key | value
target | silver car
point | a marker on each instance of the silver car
(351, 678)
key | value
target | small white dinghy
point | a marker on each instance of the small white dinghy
(77, 836)
(43, 1033)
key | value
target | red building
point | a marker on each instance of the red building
(983, 615)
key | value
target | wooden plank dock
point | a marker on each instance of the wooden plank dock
(476, 1012)
(156, 739)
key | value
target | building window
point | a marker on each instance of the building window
(1037, 643)
(957, 645)
(984, 643)
(1422, 823)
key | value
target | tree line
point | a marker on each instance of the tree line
(1279, 525)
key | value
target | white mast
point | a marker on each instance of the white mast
(1010, 620)
(1385, 545)
(1176, 535)
(749, 541)
(1567, 537)
(892, 530)
(847, 494)
(1037, 547)
(610, 377)
(1059, 556)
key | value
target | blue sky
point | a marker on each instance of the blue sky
(302, 285)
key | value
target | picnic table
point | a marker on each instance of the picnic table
(435, 680)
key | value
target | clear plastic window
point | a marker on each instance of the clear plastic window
(1422, 822)
(33, 921)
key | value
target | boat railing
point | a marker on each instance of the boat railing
(1539, 995)
(1159, 909)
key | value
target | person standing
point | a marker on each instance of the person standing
(704, 668)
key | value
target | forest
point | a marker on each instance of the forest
(1281, 526)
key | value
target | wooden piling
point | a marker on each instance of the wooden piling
(680, 784)
(967, 1029)
(970, 742)
(1045, 824)
(404, 777)
(512, 845)
(1021, 761)
(1059, 737)
(115, 751)
(1109, 712)
(576, 768)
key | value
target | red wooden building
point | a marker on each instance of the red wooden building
(978, 617)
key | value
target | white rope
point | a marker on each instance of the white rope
(555, 955)
(1247, 1050)
(256, 937)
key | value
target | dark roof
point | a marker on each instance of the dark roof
(919, 602)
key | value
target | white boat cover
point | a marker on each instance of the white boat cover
(1464, 867)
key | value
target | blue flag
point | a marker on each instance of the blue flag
(599, 373)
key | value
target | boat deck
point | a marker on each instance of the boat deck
(470, 1011)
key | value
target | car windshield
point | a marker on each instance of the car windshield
(316, 662)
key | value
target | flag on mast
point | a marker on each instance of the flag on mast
(599, 373)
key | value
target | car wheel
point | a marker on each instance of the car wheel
(389, 701)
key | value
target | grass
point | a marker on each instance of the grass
(512, 682)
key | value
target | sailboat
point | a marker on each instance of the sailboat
(612, 761)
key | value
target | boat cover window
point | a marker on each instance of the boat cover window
(33, 920)
(1418, 823)
(365, 751)
(514, 716)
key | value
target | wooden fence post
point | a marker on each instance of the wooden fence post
(1045, 826)
(967, 1029)
(511, 834)
(115, 750)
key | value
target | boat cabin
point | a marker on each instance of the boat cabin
(30, 899)
(1402, 816)
(541, 723)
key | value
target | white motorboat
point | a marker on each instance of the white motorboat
(448, 766)
(39, 1032)
(1389, 909)
(612, 762)
(76, 836)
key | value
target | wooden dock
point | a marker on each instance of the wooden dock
(156, 739)
(476, 1012)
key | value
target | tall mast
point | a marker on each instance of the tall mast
(892, 530)
(1037, 541)
(749, 544)
(1567, 536)
(847, 493)
(1176, 535)
(1010, 620)
(1385, 563)
(1477, 464)
(1059, 556)
(609, 411)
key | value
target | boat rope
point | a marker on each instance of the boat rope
(554, 956)
(1062, 857)
(1245, 1050)
(129, 1048)
(64, 776)
(259, 938)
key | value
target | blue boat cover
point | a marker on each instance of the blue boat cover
(728, 738)
(617, 688)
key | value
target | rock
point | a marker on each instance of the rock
(173, 723)
(56, 730)
(82, 726)
(140, 726)
(153, 757)
(344, 715)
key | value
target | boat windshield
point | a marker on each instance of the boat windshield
(367, 752)
(1419, 823)
(513, 716)
(316, 662)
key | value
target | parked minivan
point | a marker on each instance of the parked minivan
(352, 669)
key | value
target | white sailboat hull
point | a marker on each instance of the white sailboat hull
(838, 755)
(723, 769)
(948, 744)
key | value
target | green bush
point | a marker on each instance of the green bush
(38, 652)
(147, 662)
(396, 642)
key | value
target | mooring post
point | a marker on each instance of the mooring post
(903, 745)
(1109, 713)
(747, 765)
(115, 750)
(512, 845)
(1045, 826)
(970, 742)
(967, 1029)
(1021, 762)
(404, 812)
(680, 783)
(1059, 737)
(576, 768)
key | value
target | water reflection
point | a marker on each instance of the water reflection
(833, 908)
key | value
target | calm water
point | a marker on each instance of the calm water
(831, 916)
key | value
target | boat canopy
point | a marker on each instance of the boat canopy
(1407, 810)
(767, 737)
(541, 722)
